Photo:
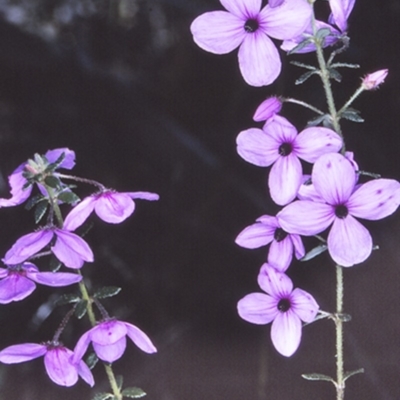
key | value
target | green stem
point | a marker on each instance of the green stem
(340, 383)
(351, 99)
(304, 104)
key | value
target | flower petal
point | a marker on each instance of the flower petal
(375, 199)
(267, 109)
(140, 338)
(259, 59)
(257, 308)
(22, 352)
(218, 32)
(349, 242)
(143, 195)
(341, 10)
(85, 373)
(256, 235)
(108, 332)
(79, 214)
(286, 333)
(59, 367)
(55, 279)
(113, 207)
(273, 282)
(81, 346)
(18, 193)
(15, 287)
(69, 157)
(304, 305)
(110, 352)
(280, 254)
(242, 8)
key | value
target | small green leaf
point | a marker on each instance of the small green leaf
(334, 74)
(302, 65)
(347, 375)
(91, 360)
(318, 377)
(305, 76)
(322, 33)
(317, 120)
(120, 381)
(33, 201)
(68, 197)
(344, 317)
(103, 396)
(53, 166)
(133, 393)
(81, 309)
(316, 251)
(352, 115)
(52, 181)
(300, 46)
(40, 210)
(67, 299)
(55, 264)
(107, 291)
(345, 65)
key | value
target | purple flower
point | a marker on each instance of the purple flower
(69, 248)
(267, 230)
(282, 306)
(109, 340)
(341, 10)
(267, 109)
(244, 24)
(57, 361)
(18, 282)
(334, 180)
(279, 144)
(110, 206)
(17, 181)
(372, 81)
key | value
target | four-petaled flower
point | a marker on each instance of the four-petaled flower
(57, 361)
(244, 24)
(267, 230)
(279, 144)
(18, 282)
(334, 180)
(282, 306)
(112, 207)
(109, 340)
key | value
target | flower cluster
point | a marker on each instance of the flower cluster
(57, 238)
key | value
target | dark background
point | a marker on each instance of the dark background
(122, 83)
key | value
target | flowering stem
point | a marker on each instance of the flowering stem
(351, 99)
(304, 104)
(83, 180)
(339, 334)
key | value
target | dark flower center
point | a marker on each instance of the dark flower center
(279, 234)
(251, 25)
(341, 211)
(285, 149)
(284, 305)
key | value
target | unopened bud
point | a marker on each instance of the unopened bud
(267, 109)
(372, 81)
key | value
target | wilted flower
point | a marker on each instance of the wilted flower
(18, 282)
(112, 207)
(334, 180)
(279, 144)
(109, 340)
(268, 108)
(282, 306)
(267, 230)
(372, 81)
(57, 361)
(244, 24)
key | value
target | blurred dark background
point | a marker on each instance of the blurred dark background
(122, 83)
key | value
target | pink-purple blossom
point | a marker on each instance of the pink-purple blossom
(268, 108)
(17, 182)
(109, 340)
(339, 202)
(373, 80)
(282, 306)
(112, 207)
(69, 248)
(279, 145)
(341, 10)
(18, 282)
(247, 26)
(57, 361)
(266, 231)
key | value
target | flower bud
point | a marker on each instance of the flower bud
(267, 109)
(372, 81)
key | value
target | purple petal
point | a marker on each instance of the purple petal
(286, 333)
(334, 178)
(18, 193)
(267, 109)
(27, 245)
(259, 59)
(110, 352)
(273, 282)
(280, 254)
(256, 235)
(243, 8)
(281, 130)
(314, 142)
(375, 199)
(81, 346)
(341, 10)
(108, 332)
(140, 338)
(218, 32)
(71, 249)
(22, 352)
(143, 195)
(304, 305)
(59, 367)
(69, 160)
(299, 250)
(349, 242)
(256, 147)
(307, 191)
(287, 20)
(85, 373)
(3, 272)
(15, 288)
(55, 279)
(79, 214)
(285, 179)
(306, 217)
(114, 207)
(258, 308)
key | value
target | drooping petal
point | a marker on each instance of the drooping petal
(286, 21)
(286, 333)
(57, 362)
(143, 195)
(55, 279)
(313, 142)
(280, 254)
(349, 242)
(27, 245)
(218, 32)
(69, 157)
(257, 308)
(306, 217)
(113, 207)
(273, 282)
(285, 179)
(243, 8)
(304, 305)
(18, 193)
(140, 338)
(256, 235)
(81, 346)
(15, 287)
(259, 59)
(108, 332)
(110, 352)
(341, 10)
(267, 109)
(375, 199)
(22, 352)
(71, 249)
(85, 373)
(334, 178)
(299, 250)
(79, 214)
(256, 147)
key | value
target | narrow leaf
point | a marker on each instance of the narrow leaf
(352, 115)
(302, 65)
(344, 317)
(91, 360)
(300, 46)
(334, 74)
(103, 396)
(67, 299)
(53, 166)
(344, 65)
(315, 252)
(305, 76)
(33, 201)
(317, 120)
(120, 381)
(322, 33)
(81, 309)
(55, 264)
(347, 375)
(318, 377)
(133, 393)
(52, 181)
(107, 291)
(68, 197)
(40, 210)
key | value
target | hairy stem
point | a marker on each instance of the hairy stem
(340, 384)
